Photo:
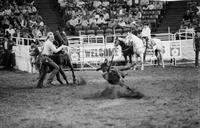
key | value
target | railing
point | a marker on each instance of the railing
(185, 34)
(165, 36)
(26, 41)
(92, 39)
(89, 51)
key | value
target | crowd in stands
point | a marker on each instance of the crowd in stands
(20, 18)
(102, 16)
(191, 18)
(17, 18)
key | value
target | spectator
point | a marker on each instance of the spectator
(10, 30)
(7, 11)
(105, 15)
(32, 21)
(159, 5)
(5, 22)
(112, 24)
(16, 24)
(23, 21)
(187, 17)
(105, 3)
(97, 3)
(93, 21)
(101, 21)
(197, 45)
(138, 13)
(85, 22)
(72, 23)
(129, 4)
(122, 23)
(36, 32)
(9, 56)
(151, 6)
(33, 52)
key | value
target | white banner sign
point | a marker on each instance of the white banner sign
(98, 52)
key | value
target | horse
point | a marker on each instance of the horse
(156, 45)
(138, 47)
(61, 59)
(126, 50)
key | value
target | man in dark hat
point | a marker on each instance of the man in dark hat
(8, 45)
(115, 76)
(197, 46)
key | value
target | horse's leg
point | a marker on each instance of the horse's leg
(58, 78)
(155, 61)
(72, 70)
(130, 59)
(125, 58)
(162, 60)
(158, 59)
(63, 75)
(146, 46)
(135, 61)
(142, 61)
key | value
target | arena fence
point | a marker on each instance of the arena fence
(87, 52)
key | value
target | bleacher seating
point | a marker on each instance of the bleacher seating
(100, 32)
(109, 31)
(153, 17)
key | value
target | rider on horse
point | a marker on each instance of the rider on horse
(138, 46)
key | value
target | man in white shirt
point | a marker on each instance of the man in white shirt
(10, 30)
(146, 36)
(158, 49)
(96, 3)
(48, 49)
(101, 21)
(92, 21)
(122, 23)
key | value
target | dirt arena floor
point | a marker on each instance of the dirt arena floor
(172, 101)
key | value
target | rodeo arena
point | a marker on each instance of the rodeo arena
(99, 64)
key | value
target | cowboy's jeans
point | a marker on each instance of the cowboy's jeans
(47, 62)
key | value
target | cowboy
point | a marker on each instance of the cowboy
(48, 49)
(197, 47)
(158, 49)
(113, 75)
(146, 36)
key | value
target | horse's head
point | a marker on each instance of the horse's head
(119, 41)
